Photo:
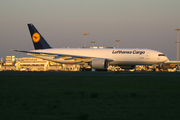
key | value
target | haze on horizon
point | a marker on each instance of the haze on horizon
(137, 23)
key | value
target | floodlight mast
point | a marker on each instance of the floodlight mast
(117, 43)
(93, 43)
(85, 38)
(178, 47)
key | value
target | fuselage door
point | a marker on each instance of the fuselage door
(147, 55)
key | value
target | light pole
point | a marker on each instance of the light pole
(117, 43)
(178, 47)
(85, 38)
(93, 42)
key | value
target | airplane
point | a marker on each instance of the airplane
(98, 59)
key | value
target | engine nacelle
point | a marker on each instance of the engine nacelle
(100, 64)
(128, 67)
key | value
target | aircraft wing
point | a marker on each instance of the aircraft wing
(64, 56)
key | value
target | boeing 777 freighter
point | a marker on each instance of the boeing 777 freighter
(96, 58)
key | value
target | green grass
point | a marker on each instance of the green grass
(89, 98)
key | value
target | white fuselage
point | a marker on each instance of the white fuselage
(115, 56)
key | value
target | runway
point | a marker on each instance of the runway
(157, 74)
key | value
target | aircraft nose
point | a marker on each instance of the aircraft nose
(165, 58)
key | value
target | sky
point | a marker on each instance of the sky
(136, 23)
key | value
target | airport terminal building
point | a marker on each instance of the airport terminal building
(34, 64)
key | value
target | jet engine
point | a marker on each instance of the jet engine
(100, 64)
(128, 67)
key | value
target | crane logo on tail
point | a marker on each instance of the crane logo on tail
(36, 37)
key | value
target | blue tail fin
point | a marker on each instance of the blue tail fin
(38, 41)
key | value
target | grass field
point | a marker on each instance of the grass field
(89, 98)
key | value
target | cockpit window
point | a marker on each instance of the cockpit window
(161, 55)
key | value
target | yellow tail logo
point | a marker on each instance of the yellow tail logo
(36, 37)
